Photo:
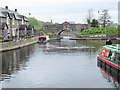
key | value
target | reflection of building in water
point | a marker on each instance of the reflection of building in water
(15, 60)
(111, 78)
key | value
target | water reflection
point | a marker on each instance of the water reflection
(72, 45)
(13, 61)
(62, 63)
(113, 79)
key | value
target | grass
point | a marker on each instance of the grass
(49, 33)
(95, 31)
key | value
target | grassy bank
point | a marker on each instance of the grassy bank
(49, 33)
(95, 31)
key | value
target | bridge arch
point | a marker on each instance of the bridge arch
(59, 33)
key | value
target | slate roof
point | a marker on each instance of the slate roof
(1, 14)
(11, 13)
(22, 16)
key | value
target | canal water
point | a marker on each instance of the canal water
(56, 64)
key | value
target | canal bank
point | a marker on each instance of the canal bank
(12, 45)
(90, 38)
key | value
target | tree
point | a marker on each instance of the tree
(90, 16)
(38, 24)
(105, 18)
(34, 22)
(94, 23)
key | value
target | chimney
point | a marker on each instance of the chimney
(6, 7)
(15, 10)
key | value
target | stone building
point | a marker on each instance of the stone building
(14, 21)
(3, 30)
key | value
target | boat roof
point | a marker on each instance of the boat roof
(114, 48)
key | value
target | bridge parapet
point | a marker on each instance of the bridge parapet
(76, 28)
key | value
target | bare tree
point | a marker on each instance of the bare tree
(104, 18)
(90, 16)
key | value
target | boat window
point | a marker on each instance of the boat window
(117, 58)
(104, 53)
(112, 57)
(110, 54)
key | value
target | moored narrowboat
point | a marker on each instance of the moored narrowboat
(109, 59)
(44, 38)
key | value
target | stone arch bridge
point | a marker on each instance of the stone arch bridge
(66, 29)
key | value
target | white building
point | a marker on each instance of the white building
(13, 24)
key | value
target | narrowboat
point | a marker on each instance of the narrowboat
(109, 59)
(44, 38)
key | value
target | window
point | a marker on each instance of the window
(7, 20)
(111, 56)
(13, 21)
(117, 58)
(104, 53)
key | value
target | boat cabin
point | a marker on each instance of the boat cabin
(111, 52)
(44, 38)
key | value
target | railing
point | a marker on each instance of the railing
(102, 35)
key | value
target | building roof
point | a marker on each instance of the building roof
(24, 17)
(114, 48)
(11, 13)
(2, 15)
(65, 22)
(7, 14)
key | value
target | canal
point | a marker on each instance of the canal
(56, 64)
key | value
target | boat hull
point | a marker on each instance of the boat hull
(109, 67)
(44, 38)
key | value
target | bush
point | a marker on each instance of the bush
(99, 31)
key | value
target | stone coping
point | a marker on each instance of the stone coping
(7, 46)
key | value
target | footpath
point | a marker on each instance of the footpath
(7, 46)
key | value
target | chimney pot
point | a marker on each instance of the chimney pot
(15, 10)
(6, 7)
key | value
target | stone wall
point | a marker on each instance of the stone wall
(77, 28)
(100, 36)
(18, 43)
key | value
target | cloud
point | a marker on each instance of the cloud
(60, 9)
(77, 17)
(28, 3)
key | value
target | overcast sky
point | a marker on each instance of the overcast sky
(62, 10)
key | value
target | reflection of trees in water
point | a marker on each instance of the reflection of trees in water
(95, 43)
(68, 50)
(114, 79)
(13, 60)
(62, 47)
(74, 46)
(69, 46)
